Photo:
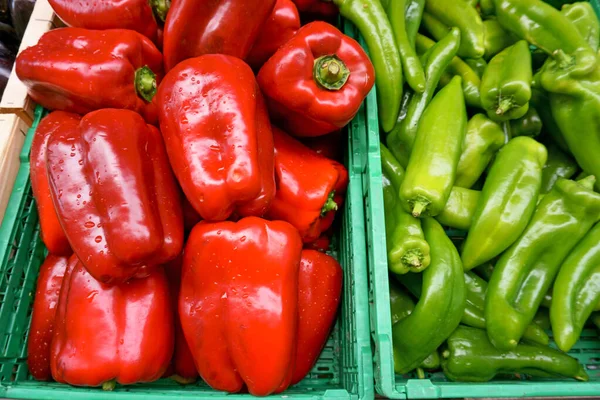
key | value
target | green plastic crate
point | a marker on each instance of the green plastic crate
(436, 385)
(344, 370)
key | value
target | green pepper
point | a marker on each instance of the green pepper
(558, 165)
(440, 306)
(457, 67)
(390, 167)
(541, 102)
(595, 318)
(542, 319)
(529, 124)
(412, 19)
(546, 28)
(486, 7)
(413, 71)
(483, 139)
(401, 139)
(478, 65)
(525, 272)
(407, 250)
(584, 18)
(372, 22)
(460, 208)
(432, 166)
(462, 15)
(506, 83)
(576, 290)
(496, 38)
(485, 271)
(470, 357)
(508, 200)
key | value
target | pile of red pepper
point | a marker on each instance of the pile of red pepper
(181, 220)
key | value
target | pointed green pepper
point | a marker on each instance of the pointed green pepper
(558, 165)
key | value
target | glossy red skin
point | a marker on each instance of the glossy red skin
(45, 302)
(238, 302)
(194, 28)
(321, 244)
(115, 195)
(304, 181)
(329, 145)
(122, 332)
(80, 70)
(324, 8)
(52, 233)
(282, 24)
(295, 99)
(136, 15)
(320, 287)
(218, 136)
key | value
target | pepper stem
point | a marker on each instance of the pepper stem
(418, 207)
(160, 8)
(588, 182)
(446, 353)
(503, 106)
(330, 204)
(109, 385)
(145, 83)
(412, 259)
(420, 373)
(562, 59)
(330, 72)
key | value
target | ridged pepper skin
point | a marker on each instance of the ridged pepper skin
(576, 290)
(218, 136)
(508, 200)
(483, 139)
(136, 15)
(559, 165)
(525, 272)
(239, 302)
(460, 208)
(281, 26)
(582, 15)
(47, 292)
(402, 138)
(319, 292)
(440, 307)
(52, 233)
(79, 70)
(111, 334)
(470, 357)
(115, 194)
(496, 38)
(432, 166)
(372, 22)
(506, 83)
(323, 8)
(315, 83)
(228, 27)
(529, 125)
(310, 187)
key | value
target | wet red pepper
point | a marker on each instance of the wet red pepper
(321, 244)
(80, 70)
(315, 83)
(238, 302)
(218, 136)
(115, 194)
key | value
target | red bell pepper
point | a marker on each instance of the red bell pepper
(218, 136)
(238, 302)
(321, 244)
(108, 334)
(80, 70)
(41, 330)
(310, 187)
(282, 24)
(136, 15)
(329, 145)
(320, 287)
(115, 194)
(324, 8)
(315, 83)
(194, 28)
(52, 233)
(190, 216)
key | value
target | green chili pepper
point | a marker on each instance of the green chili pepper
(541, 102)
(486, 7)
(401, 139)
(407, 249)
(506, 83)
(390, 167)
(459, 209)
(462, 15)
(542, 319)
(584, 18)
(478, 65)
(414, 13)
(576, 290)
(485, 271)
(372, 22)
(508, 200)
(413, 71)
(525, 272)
(432, 166)
(440, 307)
(470, 357)
(529, 125)
(546, 28)
(496, 38)
(483, 139)
(558, 165)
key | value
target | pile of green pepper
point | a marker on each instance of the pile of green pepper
(496, 133)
